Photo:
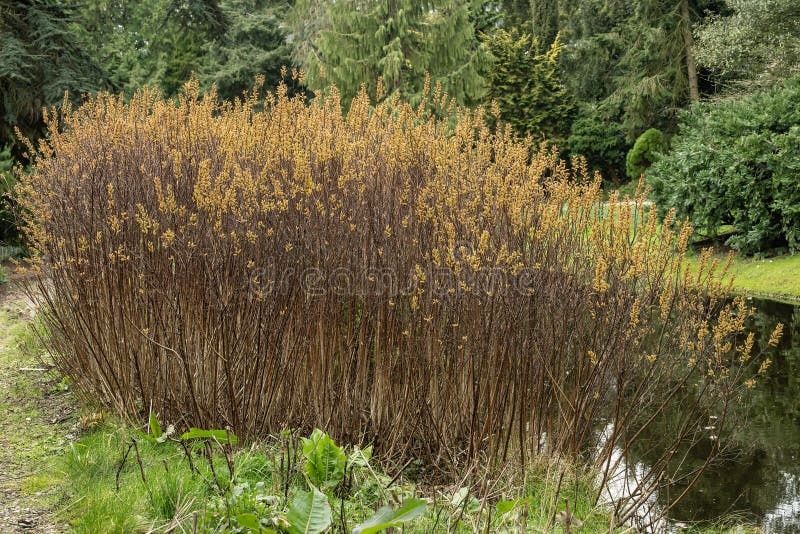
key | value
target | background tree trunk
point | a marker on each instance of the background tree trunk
(688, 41)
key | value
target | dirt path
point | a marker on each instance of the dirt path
(37, 419)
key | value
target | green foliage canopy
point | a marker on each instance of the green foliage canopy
(544, 22)
(753, 46)
(737, 162)
(40, 60)
(644, 153)
(598, 136)
(527, 87)
(355, 42)
(254, 44)
(150, 42)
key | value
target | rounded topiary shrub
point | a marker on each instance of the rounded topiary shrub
(644, 153)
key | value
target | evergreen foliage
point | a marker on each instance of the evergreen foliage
(544, 22)
(737, 162)
(255, 44)
(399, 41)
(8, 231)
(632, 55)
(597, 135)
(517, 14)
(149, 42)
(486, 16)
(527, 87)
(753, 46)
(644, 153)
(594, 29)
(40, 60)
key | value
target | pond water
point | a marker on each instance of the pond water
(762, 482)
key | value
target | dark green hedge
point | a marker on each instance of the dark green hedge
(738, 162)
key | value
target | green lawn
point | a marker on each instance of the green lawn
(777, 277)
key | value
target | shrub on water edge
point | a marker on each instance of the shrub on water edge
(432, 285)
(737, 162)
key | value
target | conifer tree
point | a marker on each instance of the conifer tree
(254, 44)
(486, 16)
(40, 61)
(399, 41)
(527, 86)
(636, 56)
(517, 14)
(155, 42)
(544, 22)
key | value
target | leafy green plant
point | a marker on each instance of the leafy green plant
(388, 517)
(218, 436)
(644, 153)
(310, 513)
(64, 384)
(158, 435)
(325, 462)
(736, 162)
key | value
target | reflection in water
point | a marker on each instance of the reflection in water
(624, 482)
(761, 478)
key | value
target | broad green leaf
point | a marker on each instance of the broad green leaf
(462, 498)
(250, 521)
(219, 435)
(146, 437)
(324, 460)
(387, 517)
(360, 457)
(459, 496)
(310, 513)
(503, 507)
(155, 428)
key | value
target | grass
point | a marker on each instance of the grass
(776, 278)
(36, 421)
(173, 495)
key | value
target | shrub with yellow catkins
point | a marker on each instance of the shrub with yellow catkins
(430, 284)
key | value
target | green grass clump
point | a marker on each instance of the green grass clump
(90, 467)
(268, 479)
(161, 487)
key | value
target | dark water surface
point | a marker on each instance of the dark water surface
(762, 483)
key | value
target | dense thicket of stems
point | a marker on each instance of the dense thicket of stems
(432, 285)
